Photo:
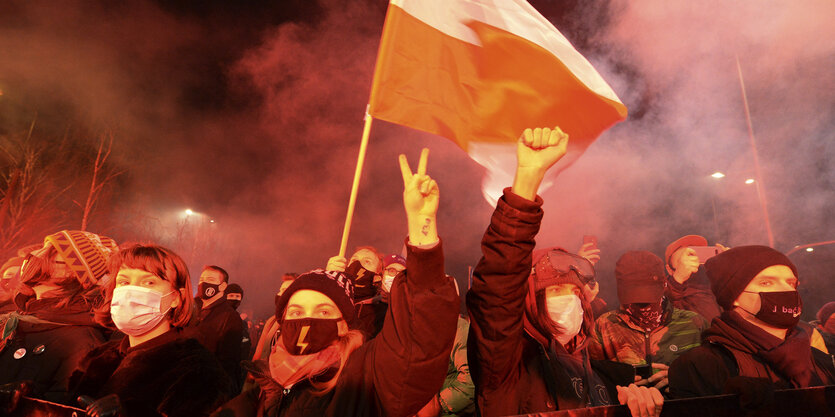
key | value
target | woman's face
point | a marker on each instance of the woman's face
(368, 259)
(313, 304)
(562, 289)
(51, 270)
(145, 279)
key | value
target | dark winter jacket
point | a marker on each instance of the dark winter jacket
(370, 315)
(729, 349)
(394, 374)
(694, 295)
(45, 344)
(219, 330)
(516, 371)
(167, 375)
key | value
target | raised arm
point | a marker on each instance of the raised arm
(537, 150)
(496, 299)
(420, 198)
(411, 353)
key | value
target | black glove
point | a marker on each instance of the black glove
(107, 406)
(754, 393)
(10, 394)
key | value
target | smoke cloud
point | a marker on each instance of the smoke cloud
(251, 116)
(647, 181)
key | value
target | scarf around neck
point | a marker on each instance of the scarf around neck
(287, 369)
(791, 357)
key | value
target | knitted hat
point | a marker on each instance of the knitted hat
(85, 253)
(730, 271)
(11, 263)
(26, 250)
(544, 274)
(689, 240)
(236, 292)
(393, 259)
(640, 277)
(334, 284)
(826, 312)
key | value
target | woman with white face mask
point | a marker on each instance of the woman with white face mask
(154, 370)
(529, 320)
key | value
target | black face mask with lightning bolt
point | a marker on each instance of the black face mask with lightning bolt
(308, 335)
(363, 281)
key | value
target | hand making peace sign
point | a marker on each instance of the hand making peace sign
(420, 199)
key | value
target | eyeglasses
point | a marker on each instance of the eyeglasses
(564, 262)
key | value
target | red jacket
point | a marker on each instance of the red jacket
(397, 372)
(511, 370)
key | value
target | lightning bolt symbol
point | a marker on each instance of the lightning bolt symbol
(301, 343)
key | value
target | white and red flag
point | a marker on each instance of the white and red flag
(479, 72)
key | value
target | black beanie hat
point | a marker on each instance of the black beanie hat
(730, 271)
(334, 284)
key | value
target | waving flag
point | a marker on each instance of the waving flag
(479, 72)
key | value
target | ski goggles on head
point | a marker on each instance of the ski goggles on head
(560, 263)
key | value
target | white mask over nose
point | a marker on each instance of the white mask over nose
(567, 311)
(136, 310)
(387, 281)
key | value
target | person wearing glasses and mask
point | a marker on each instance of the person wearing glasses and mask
(530, 322)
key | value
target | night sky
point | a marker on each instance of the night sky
(250, 114)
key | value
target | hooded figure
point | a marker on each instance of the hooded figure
(530, 320)
(53, 327)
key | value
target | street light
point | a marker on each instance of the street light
(717, 175)
(810, 249)
(189, 212)
(749, 181)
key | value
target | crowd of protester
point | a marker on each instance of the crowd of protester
(117, 331)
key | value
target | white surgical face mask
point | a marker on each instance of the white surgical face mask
(567, 311)
(136, 310)
(387, 281)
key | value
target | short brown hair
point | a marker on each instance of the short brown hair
(223, 274)
(160, 261)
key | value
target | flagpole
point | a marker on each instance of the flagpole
(366, 132)
(757, 172)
